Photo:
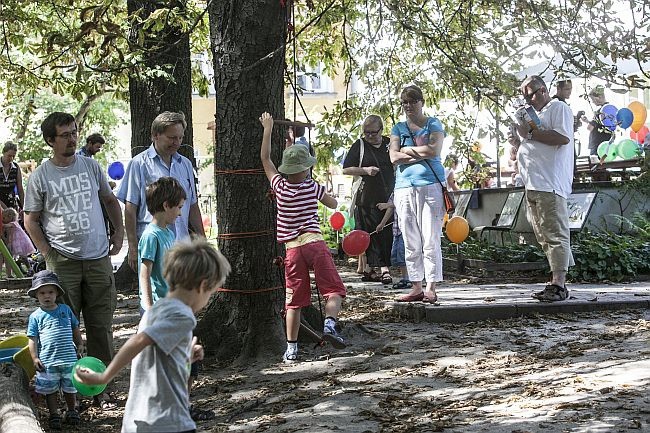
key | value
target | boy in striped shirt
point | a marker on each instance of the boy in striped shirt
(297, 227)
(54, 344)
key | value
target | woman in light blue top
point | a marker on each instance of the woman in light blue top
(415, 147)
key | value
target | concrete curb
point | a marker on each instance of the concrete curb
(421, 312)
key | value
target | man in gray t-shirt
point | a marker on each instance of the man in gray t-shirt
(63, 217)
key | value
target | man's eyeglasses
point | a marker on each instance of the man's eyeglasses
(371, 132)
(68, 135)
(529, 97)
(412, 102)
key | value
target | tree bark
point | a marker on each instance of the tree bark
(80, 117)
(16, 407)
(246, 321)
(168, 49)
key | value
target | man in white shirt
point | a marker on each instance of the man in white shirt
(545, 159)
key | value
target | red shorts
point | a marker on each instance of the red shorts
(317, 257)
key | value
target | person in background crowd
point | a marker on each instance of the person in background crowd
(545, 159)
(11, 184)
(415, 147)
(94, 143)
(597, 131)
(563, 89)
(378, 177)
(451, 164)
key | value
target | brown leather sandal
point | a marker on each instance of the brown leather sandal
(371, 277)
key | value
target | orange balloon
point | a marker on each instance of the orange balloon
(457, 229)
(640, 113)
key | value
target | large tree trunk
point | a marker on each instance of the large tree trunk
(169, 49)
(16, 408)
(245, 322)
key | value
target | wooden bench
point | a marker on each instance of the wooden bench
(507, 217)
(597, 171)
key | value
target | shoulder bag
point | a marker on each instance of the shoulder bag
(357, 181)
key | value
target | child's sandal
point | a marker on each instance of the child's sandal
(55, 421)
(72, 417)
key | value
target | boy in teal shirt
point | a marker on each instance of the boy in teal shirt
(165, 198)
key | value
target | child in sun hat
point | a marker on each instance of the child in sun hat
(298, 228)
(54, 344)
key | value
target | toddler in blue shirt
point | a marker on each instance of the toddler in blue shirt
(54, 344)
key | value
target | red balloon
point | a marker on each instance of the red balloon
(356, 242)
(640, 136)
(337, 220)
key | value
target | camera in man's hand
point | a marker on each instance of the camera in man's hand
(576, 120)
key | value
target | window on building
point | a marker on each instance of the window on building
(313, 80)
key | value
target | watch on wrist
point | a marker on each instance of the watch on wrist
(529, 136)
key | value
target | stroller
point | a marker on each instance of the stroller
(30, 264)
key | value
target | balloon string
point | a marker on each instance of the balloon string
(370, 234)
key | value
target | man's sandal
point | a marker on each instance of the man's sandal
(370, 277)
(552, 293)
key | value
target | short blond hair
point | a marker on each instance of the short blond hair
(165, 119)
(187, 264)
(597, 91)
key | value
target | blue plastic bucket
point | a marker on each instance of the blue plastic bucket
(7, 355)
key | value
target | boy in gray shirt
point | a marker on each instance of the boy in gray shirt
(163, 348)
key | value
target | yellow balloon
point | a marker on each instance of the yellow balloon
(640, 113)
(445, 219)
(457, 229)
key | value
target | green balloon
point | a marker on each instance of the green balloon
(350, 223)
(612, 153)
(628, 149)
(92, 364)
(602, 149)
(608, 150)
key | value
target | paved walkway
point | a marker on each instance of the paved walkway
(462, 302)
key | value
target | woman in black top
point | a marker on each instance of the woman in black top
(378, 183)
(11, 182)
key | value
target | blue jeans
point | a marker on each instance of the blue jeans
(397, 252)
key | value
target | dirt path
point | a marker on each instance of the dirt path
(578, 373)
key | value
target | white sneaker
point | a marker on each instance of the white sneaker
(332, 337)
(290, 356)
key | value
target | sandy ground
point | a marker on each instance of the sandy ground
(570, 373)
